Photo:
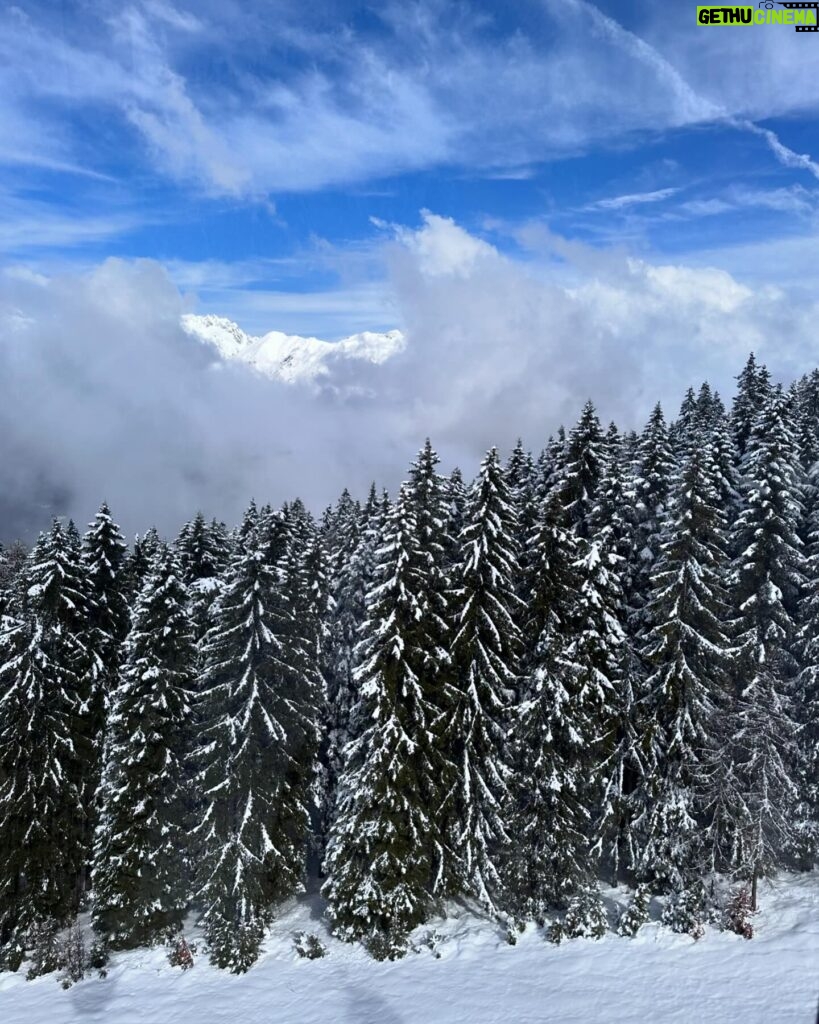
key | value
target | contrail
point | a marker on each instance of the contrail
(695, 107)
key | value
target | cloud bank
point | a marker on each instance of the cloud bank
(104, 396)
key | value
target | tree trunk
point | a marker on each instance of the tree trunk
(754, 879)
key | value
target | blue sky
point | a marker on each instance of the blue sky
(265, 152)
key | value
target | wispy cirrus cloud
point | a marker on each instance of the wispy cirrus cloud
(305, 107)
(28, 225)
(635, 199)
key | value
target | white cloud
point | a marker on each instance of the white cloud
(27, 224)
(117, 402)
(636, 199)
(784, 154)
(442, 247)
(363, 106)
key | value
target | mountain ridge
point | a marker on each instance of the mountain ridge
(291, 358)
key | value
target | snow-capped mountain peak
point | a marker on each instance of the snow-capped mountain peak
(290, 357)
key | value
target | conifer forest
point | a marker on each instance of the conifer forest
(597, 662)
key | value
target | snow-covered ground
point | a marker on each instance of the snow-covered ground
(477, 979)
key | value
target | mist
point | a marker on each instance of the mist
(104, 397)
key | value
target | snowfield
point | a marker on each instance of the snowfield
(477, 979)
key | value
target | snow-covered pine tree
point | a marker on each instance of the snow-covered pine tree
(246, 533)
(456, 508)
(654, 471)
(430, 495)
(807, 425)
(710, 408)
(717, 431)
(551, 464)
(47, 673)
(806, 704)
(12, 562)
(384, 854)
(621, 769)
(204, 550)
(104, 556)
(753, 389)
(521, 478)
(584, 465)
(272, 535)
(256, 759)
(768, 575)
(303, 580)
(201, 556)
(548, 858)
(138, 563)
(682, 430)
(486, 649)
(140, 868)
(594, 664)
(347, 570)
(687, 654)
(610, 517)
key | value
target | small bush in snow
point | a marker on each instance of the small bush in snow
(383, 947)
(73, 956)
(636, 913)
(98, 957)
(12, 955)
(684, 911)
(585, 918)
(45, 954)
(737, 914)
(181, 953)
(310, 946)
(430, 941)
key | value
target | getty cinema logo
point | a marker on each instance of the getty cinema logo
(803, 16)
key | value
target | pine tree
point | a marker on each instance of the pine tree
(687, 652)
(683, 430)
(807, 705)
(552, 465)
(138, 564)
(609, 517)
(521, 478)
(768, 573)
(203, 549)
(140, 875)
(456, 507)
(257, 758)
(384, 853)
(652, 486)
(46, 676)
(710, 408)
(548, 859)
(350, 560)
(429, 493)
(753, 389)
(584, 466)
(104, 557)
(12, 562)
(807, 425)
(594, 665)
(199, 555)
(486, 649)
(724, 456)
